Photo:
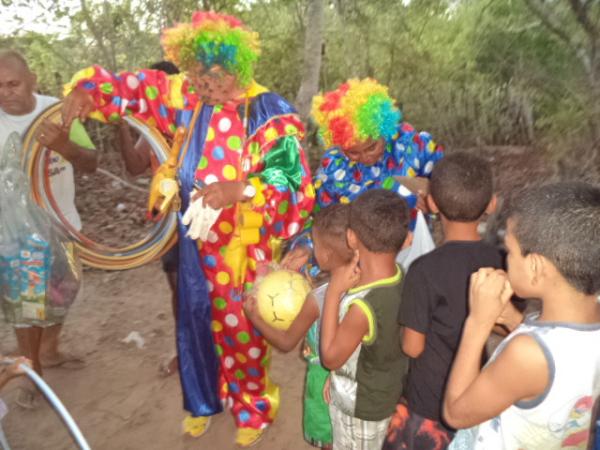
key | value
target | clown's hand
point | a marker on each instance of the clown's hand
(200, 218)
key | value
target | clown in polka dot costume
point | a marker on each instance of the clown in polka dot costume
(251, 138)
(357, 114)
(368, 147)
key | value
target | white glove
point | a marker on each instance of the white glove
(200, 218)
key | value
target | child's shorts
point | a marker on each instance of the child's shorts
(351, 433)
(317, 425)
(410, 431)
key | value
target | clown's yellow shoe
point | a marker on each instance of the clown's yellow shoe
(195, 426)
(247, 437)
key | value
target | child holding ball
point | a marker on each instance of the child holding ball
(331, 252)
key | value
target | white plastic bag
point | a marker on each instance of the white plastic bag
(422, 243)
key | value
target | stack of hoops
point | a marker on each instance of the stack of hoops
(161, 237)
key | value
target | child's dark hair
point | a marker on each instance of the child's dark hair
(332, 223)
(165, 66)
(561, 222)
(379, 218)
(461, 186)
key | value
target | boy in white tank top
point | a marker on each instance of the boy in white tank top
(541, 387)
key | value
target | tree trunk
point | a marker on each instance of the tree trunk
(311, 68)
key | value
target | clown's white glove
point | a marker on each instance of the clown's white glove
(200, 218)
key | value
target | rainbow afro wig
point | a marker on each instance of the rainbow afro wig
(213, 39)
(354, 112)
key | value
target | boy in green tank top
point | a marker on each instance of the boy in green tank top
(360, 337)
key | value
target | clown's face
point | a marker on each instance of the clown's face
(367, 152)
(215, 85)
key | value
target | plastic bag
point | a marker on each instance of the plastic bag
(422, 243)
(40, 274)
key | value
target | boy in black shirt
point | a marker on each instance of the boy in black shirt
(434, 299)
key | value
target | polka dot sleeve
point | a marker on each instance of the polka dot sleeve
(416, 153)
(150, 95)
(331, 178)
(432, 153)
(279, 163)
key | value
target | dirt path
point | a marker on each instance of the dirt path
(118, 399)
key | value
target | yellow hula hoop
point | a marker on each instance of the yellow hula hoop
(160, 239)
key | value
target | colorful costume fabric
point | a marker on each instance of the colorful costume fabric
(227, 143)
(407, 153)
(340, 180)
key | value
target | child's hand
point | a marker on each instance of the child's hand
(510, 317)
(345, 277)
(489, 293)
(250, 306)
(296, 258)
(14, 369)
(327, 390)
(422, 202)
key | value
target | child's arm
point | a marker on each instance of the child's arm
(280, 339)
(12, 370)
(520, 372)
(413, 342)
(338, 341)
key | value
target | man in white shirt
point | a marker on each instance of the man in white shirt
(19, 106)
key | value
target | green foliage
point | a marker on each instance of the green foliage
(470, 71)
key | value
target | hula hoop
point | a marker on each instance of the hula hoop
(162, 236)
(56, 404)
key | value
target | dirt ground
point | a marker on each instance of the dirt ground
(118, 400)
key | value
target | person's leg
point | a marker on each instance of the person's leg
(50, 354)
(29, 342)
(199, 364)
(49, 344)
(245, 357)
(342, 429)
(170, 266)
(171, 366)
(172, 279)
(366, 434)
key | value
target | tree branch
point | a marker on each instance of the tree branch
(560, 32)
(582, 16)
(96, 33)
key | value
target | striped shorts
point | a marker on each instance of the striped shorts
(351, 433)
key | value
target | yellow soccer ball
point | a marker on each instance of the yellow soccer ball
(280, 296)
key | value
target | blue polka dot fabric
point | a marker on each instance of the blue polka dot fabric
(408, 153)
